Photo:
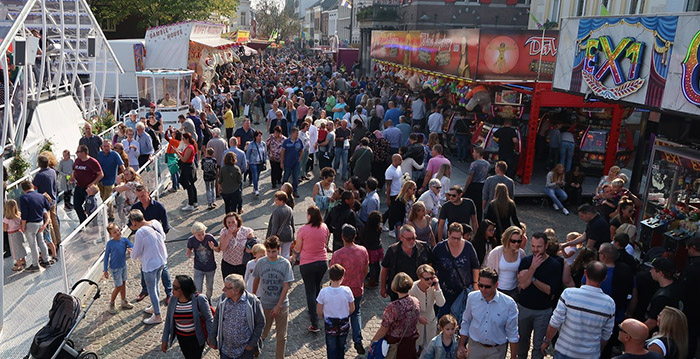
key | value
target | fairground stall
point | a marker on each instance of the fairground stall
(496, 75)
(193, 45)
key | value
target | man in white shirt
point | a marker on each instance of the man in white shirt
(393, 178)
(149, 248)
(196, 102)
(313, 143)
(418, 113)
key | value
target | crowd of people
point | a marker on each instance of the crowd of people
(459, 280)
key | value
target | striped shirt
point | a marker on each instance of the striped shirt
(584, 317)
(184, 319)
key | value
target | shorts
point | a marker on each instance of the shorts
(118, 275)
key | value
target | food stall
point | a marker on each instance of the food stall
(168, 89)
(193, 45)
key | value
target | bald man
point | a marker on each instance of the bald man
(633, 335)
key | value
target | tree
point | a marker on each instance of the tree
(161, 12)
(270, 17)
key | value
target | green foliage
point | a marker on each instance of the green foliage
(18, 166)
(161, 12)
(47, 146)
(102, 122)
(271, 17)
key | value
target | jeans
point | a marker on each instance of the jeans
(211, 191)
(335, 346)
(566, 154)
(164, 277)
(175, 179)
(199, 277)
(152, 279)
(238, 200)
(530, 320)
(275, 173)
(304, 161)
(558, 355)
(462, 146)
(247, 354)
(255, 174)
(312, 274)
(557, 195)
(78, 200)
(34, 238)
(341, 157)
(292, 171)
(356, 322)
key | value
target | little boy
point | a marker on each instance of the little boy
(203, 245)
(335, 304)
(115, 261)
(258, 251)
(91, 201)
(210, 170)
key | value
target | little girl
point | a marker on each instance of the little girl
(203, 245)
(258, 251)
(115, 262)
(570, 251)
(444, 345)
(11, 224)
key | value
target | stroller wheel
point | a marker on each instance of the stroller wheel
(88, 355)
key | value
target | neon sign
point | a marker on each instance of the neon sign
(595, 72)
(691, 72)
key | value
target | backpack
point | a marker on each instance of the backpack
(209, 168)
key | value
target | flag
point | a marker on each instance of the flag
(603, 9)
(347, 3)
(532, 16)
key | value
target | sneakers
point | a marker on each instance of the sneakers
(257, 193)
(210, 206)
(195, 205)
(359, 348)
(313, 329)
(149, 310)
(32, 268)
(556, 208)
(213, 204)
(127, 305)
(112, 309)
(154, 319)
(566, 212)
(187, 208)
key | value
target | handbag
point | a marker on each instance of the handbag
(263, 165)
(202, 322)
(322, 201)
(458, 306)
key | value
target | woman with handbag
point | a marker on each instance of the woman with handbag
(188, 175)
(256, 154)
(189, 319)
(234, 240)
(400, 321)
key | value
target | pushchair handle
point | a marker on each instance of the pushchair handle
(97, 295)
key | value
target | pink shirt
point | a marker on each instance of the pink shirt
(314, 241)
(12, 224)
(355, 260)
(435, 163)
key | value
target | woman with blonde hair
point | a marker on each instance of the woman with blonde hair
(443, 175)
(401, 207)
(505, 259)
(433, 139)
(672, 339)
(427, 290)
(554, 188)
(613, 173)
(501, 210)
(420, 220)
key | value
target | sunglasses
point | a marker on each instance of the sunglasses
(451, 195)
(438, 187)
(428, 279)
(409, 238)
(485, 286)
(176, 287)
(516, 241)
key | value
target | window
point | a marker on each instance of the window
(580, 7)
(243, 19)
(693, 5)
(554, 14)
(637, 6)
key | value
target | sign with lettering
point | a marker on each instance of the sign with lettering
(616, 58)
(683, 87)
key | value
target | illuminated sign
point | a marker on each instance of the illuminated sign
(595, 72)
(691, 72)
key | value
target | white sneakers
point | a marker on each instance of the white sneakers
(149, 310)
(187, 208)
(566, 212)
(556, 208)
(154, 319)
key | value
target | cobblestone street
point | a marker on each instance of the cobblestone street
(124, 335)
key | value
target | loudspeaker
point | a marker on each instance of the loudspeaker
(91, 46)
(20, 51)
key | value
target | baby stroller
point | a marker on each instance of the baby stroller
(53, 340)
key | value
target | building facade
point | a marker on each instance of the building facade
(441, 14)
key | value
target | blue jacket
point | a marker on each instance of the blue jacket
(199, 304)
(435, 349)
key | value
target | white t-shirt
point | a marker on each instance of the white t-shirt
(393, 174)
(435, 121)
(570, 249)
(248, 275)
(335, 301)
(313, 138)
